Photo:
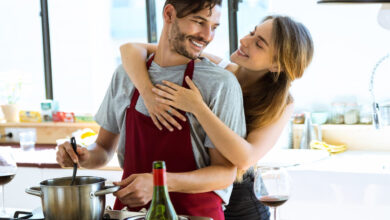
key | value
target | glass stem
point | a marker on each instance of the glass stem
(2, 197)
(274, 213)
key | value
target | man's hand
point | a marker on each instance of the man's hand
(136, 190)
(66, 157)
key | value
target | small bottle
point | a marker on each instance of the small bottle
(161, 207)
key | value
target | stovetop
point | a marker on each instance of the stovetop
(109, 214)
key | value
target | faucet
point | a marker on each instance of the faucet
(375, 105)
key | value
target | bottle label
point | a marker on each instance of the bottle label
(159, 177)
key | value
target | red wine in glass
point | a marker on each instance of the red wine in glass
(8, 169)
(273, 201)
(6, 178)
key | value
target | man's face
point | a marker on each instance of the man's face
(188, 36)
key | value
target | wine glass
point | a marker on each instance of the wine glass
(7, 173)
(272, 186)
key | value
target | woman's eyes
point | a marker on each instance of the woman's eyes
(257, 43)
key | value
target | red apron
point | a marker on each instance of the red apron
(145, 143)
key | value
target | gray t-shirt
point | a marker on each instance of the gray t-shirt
(220, 91)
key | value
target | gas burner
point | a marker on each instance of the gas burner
(36, 214)
(109, 214)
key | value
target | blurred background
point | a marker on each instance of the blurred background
(85, 36)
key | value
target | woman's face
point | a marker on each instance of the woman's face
(255, 52)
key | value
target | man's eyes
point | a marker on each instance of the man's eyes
(198, 22)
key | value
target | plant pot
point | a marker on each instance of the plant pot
(11, 112)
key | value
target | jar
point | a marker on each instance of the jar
(351, 114)
(299, 118)
(365, 116)
(337, 113)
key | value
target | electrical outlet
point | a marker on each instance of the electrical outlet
(15, 133)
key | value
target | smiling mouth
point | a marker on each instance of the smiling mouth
(241, 53)
(197, 44)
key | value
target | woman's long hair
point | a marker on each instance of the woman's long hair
(266, 100)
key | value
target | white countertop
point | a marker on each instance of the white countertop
(350, 161)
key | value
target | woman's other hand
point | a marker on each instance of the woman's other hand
(171, 94)
(162, 113)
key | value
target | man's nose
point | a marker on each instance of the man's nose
(207, 33)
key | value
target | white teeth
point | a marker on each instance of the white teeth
(242, 53)
(197, 44)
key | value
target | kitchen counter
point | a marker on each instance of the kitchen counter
(349, 185)
(44, 156)
(364, 162)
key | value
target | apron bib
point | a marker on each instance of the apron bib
(145, 143)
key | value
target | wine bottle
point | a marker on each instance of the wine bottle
(161, 207)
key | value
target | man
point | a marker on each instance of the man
(199, 177)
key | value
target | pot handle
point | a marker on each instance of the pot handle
(106, 190)
(35, 191)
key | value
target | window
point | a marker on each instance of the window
(250, 13)
(21, 59)
(85, 40)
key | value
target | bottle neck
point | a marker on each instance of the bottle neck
(159, 177)
(160, 184)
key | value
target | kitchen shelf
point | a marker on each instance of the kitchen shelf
(356, 137)
(48, 132)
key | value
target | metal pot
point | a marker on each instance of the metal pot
(83, 200)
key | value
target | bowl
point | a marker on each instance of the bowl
(319, 117)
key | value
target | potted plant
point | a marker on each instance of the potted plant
(10, 97)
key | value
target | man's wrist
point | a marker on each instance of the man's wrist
(171, 183)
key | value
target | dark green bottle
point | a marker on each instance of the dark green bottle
(161, 207)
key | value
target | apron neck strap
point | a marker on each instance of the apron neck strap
(189, 72)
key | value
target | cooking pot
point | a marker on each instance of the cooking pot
(83, 200)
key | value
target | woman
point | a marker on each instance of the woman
(270, 57)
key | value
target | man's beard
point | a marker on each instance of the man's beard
(178, 40)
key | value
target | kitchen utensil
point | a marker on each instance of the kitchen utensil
(83, 200)
(308, 133)
(74, 146)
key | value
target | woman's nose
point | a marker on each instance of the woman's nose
(244, 41)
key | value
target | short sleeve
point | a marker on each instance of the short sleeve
(224, 63)
(105, 116)
(228, 106)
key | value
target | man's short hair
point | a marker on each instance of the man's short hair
(186, 7)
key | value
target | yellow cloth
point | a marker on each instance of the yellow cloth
(328, 147)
